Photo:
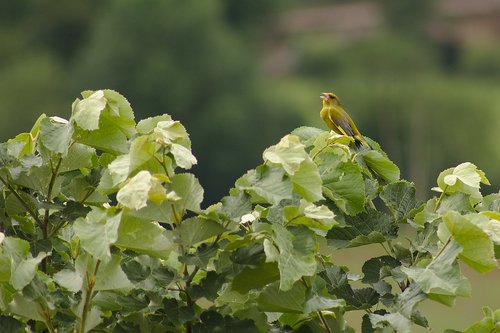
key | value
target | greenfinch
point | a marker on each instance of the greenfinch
(335, 117)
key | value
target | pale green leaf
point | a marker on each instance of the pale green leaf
(170, 131)
(441, 280)
(22, 272)
(110, 275)
(183, 156)
(86, 112)
(266, 185)
(137, 191)
(187, 187)
(24, 307)
(147, 125)
(288, 153)
(56, 134)
(69, 279)
(396, 321)
(97, 232)
(478, 251)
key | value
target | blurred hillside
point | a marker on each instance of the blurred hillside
(420, 77)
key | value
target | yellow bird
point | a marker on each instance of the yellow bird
(335, 117)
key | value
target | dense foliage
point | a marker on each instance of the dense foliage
(103, 231)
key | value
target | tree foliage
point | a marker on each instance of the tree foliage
(102, 230)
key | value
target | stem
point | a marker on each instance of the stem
(88, 297)
(325, 323)
(440, 250)
(47, 322)
(438, 202)
(25, 205)
(320, 315)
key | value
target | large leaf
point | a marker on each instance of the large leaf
(98, 231)
(382, 165)
(345, 186)
(274, 299)
(441, 280)
(188, 188)
(307, 181)
(139, 189)
(195, 230)
(56, 134)
(400, 198)
(144, 237)
(365, 228)
(296, 259)
(289, 153)
(266, 184)
(477, 248)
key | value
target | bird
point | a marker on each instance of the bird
(335, 117)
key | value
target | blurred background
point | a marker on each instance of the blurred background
(420, 77)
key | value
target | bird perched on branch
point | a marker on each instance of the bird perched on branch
(335, 117)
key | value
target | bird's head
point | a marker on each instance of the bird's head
(329, 99)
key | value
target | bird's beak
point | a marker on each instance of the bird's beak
(324, 96)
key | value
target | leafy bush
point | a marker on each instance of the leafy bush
(101, 231)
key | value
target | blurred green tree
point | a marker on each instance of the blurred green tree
(184, 58)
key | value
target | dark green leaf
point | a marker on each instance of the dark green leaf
(377, 268)
(254, 278)
(368, 227)
(399, 197)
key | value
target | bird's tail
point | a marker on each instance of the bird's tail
(359, 141)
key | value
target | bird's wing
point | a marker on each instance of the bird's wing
(343, 125)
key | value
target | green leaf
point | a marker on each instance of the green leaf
(189, 189)
(103, 120)
(396, 321)
(195, 230)
(274, 299)
(255, 277)
(377, 268)
(86, 112)
(383, 166)
(297, 247)
(289, 153)
(399, 197)
(307, 181)
(10, 325)
(23, 265)
(183, 156)
(266, 185)
(318, 218)
(147, 125)
(139, 189)
(56, 134)
(144, 237)
(98, 231)
(79, 157)
(345, 186)
(318, 298)
(365, 228)
(490, 322)
(110, 275)
(441, 280)
(478, 251)
(25, 307)
(69, 279)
